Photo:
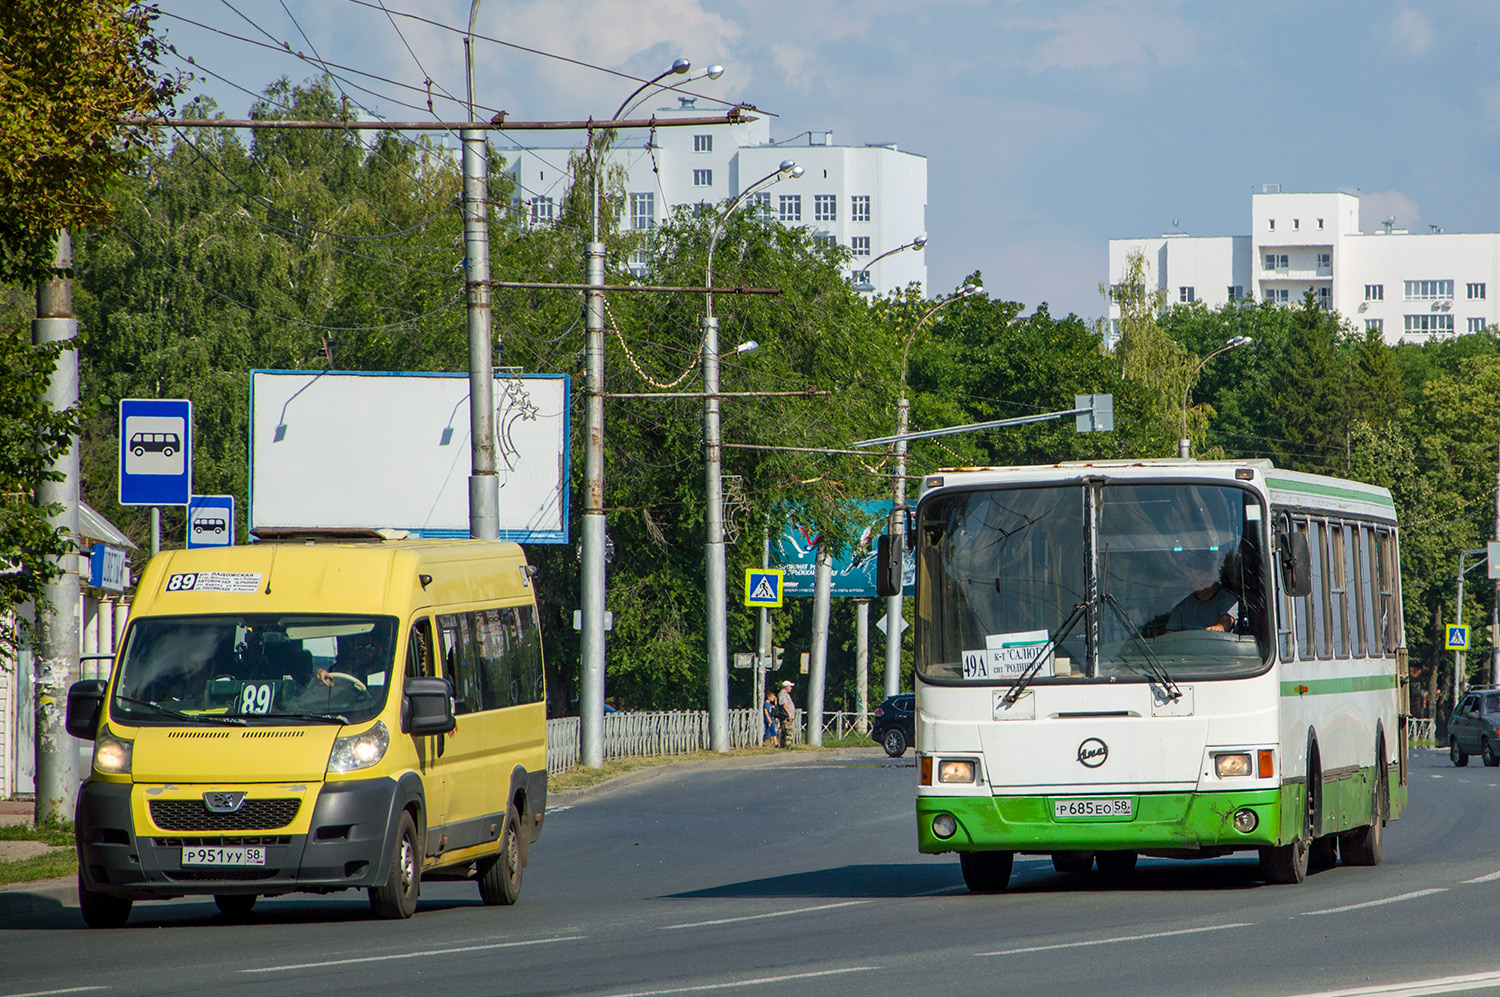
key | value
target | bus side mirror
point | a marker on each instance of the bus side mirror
(888, 551)
(85, 702)
(1296, 564)
(427, 708)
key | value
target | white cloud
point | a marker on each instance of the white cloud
(1410, 32)
(1103, 35)
(1378, 205)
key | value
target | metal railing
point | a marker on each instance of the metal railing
(1421, 732)
(627, 735)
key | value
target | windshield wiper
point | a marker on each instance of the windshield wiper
(1035, 666)
(1154, 668)
(333, 718)
(167, 711)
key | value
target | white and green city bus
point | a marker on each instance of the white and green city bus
(1170, 658)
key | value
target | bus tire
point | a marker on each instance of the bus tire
(500, 875)
(1456, 753)
(235, 906)
(1287, 864)
(396, 898)
(1117, 865)
(1072, 861)
(1363, 845)
(100, 910)
(986, 872)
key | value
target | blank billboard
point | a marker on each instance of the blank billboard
(340, 449)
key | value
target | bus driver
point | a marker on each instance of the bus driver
(1210, 606)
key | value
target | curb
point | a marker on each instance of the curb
(41, 896)
(802, 756)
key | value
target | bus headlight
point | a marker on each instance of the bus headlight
(359, 751)
(112, 755)
(956, 770)
(1237, 764)
(944, 826)
(1245, 820)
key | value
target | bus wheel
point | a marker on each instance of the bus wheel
(235, 905)
(986, 872)
(1363, 845)
(1116, 865)
(100, 910)
(1323, 853)
(1072, 861)
(396, 898)
(1458, 755)
(500, 875)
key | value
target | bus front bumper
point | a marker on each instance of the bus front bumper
(1165, 822)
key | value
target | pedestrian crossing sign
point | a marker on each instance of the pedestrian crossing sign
(1458, 638)
(763, 587)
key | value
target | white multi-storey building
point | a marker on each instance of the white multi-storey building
(870, 198)
(1408, 286)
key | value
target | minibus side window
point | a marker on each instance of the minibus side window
(459, 662)
(419, 651)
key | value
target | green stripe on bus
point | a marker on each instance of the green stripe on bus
(1286, 484)
(1325, 687)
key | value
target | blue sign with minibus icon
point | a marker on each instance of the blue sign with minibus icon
(210, 521)
(156, 451)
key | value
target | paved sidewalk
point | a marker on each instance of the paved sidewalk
(795, 756)
(16, 812)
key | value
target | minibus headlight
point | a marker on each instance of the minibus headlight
(112, 754)
(359, 751)
(1237, 764)
(956, 770)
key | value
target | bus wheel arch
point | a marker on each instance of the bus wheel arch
(1287, 863)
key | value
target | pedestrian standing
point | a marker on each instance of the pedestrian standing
(787, 713)
(768, 717)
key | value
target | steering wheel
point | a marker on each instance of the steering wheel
(350, 679)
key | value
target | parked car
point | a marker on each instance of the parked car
(1474, 728)
(894, 725)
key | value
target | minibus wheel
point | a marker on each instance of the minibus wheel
(500, 875)
(100, 910)
(397, 897)
(235, 905)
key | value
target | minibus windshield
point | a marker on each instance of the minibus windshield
(257, 668)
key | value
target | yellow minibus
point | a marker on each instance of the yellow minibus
(300, 716)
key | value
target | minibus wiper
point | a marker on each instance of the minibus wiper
(167, 711)
(333, 718)
(1154, 668)
(1036, 663)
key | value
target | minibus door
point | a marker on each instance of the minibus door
(435, 782)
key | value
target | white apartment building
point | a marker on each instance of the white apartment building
(870, 198)
(1409, 286)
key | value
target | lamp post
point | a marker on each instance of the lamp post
(718, 610)
(484, 485)
(1184, 445)
(595, 539)
(865, 286)
(893, 614)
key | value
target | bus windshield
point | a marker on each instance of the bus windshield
(255, 668)
(1092, 581)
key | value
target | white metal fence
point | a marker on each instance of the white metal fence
(1421, 732)
(626, 735)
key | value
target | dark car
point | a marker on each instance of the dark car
(894, 724)
(1474, 728)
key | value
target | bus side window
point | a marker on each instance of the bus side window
(1353, 589)
(1304, 610)
(1389, 612)
(1338, 592)
(1367, 591)
(1319, 595)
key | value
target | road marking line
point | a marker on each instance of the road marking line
(1484, 879)
(1112, 941)
(759, 981)
(1416, 988)
(757, 917)
(1378, 903)
(558, 810)
(409, 955)
(49, 993)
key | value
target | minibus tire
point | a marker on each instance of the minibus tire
(100, 910)
(500, 875)
(235, 906)
(396, 898)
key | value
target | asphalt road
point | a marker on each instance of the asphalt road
(802, 877)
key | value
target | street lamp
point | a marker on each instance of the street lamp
(893, 614)
(718, 610)
(591, 582)
(1184, 445)
(865, 286)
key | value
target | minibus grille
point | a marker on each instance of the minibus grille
(194, 815)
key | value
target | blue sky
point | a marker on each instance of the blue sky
(1050, 126)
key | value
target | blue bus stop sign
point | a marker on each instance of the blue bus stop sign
(210, 521)
(156, 451)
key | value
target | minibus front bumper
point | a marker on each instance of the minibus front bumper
(345, 845)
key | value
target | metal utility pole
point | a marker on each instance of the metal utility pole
(818, 665)
(484, 485)
(591, 670)
(862, 663)
(1495, 610)
(58, 630)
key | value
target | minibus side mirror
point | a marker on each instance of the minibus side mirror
(85, 702)
(1296, 564)
(427, 708)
